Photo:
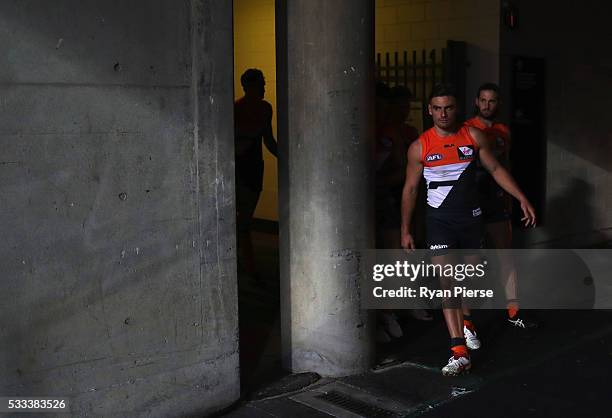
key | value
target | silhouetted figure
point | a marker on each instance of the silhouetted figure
(393, 137)
(253, 122)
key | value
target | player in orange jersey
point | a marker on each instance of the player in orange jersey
(446, 156)
(496, 203)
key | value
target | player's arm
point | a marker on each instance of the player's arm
(502, 176)
(268, 135)
(414, 171)
(507, 149)
(507, 163)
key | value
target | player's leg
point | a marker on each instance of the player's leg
(469, 328)
(387, 237)
(459, 361)
(441, 238)
(246, 202)
(499, 236)
(471, 238)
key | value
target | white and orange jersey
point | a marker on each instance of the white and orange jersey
(449, 169)
(498, 135)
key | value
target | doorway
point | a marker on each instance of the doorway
(258, 255)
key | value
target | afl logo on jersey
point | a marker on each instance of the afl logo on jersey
(433, 157)
(466, 152)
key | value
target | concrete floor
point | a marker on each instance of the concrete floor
(560, 369)
(259, 310)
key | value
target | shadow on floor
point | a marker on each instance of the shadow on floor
(559, 367)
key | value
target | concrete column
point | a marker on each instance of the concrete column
(117, 275)
(325, 85)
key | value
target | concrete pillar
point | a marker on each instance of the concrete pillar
(117, 275)
(325, 95)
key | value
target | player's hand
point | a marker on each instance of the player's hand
(528, 213)
(407, 242)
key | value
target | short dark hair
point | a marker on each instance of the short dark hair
(488, 86)
(443, 89)
(251, 76)
(400, 93)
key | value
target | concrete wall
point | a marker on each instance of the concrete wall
(254, 47)
(428, 24)
(579, 137)
(117, 274)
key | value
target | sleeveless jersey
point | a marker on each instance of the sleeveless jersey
(498, 135)
(450, 170)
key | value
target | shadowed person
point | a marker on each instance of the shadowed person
(496, 203)
(252, 123)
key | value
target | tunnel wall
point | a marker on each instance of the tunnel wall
(117, 275)
(578, 138)
(407, 25)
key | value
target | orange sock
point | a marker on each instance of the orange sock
(513, 309)
(467, 322)
(460, 351)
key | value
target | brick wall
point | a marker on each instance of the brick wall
(428, 24)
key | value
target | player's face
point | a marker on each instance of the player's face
(260, 89)
(487, 103)
(443, 111)
(256, 89)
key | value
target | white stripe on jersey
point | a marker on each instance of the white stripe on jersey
(448, 172)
